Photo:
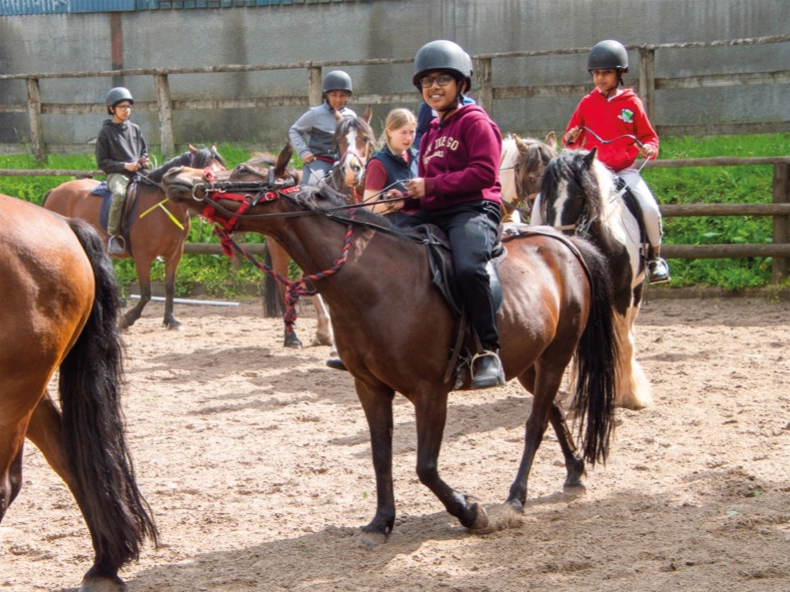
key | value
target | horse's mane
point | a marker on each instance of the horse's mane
(198, 160)
(569, 167)
(329, 203)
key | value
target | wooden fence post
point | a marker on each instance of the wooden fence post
(647, 81)
(485, 94)
(314, 92)
(781, 234)
(34, 115)
(165, 110)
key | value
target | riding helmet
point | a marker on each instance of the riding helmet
(606, 55)
(116, 95)
(442, 55)
(337, 80)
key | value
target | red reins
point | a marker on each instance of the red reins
(293, 289)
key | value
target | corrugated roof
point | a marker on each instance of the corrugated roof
(21, 7)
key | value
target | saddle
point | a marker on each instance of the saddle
(636, 211)
(129, 207)
(440, 263)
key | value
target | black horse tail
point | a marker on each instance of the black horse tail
(272, 303)
(93, 424)
(595, 362)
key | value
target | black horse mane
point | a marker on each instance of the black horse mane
(198, 160)
(570, 166)
(331, 204)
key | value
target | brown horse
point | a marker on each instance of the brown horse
(354, 143)
(395, 332)
(159, 229)
(60, 307)
(521, 170)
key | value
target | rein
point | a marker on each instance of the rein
(224, 227)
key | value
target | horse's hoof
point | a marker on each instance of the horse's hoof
(372, 539)
(175, 327)
(515, 505)
(481, 520)
(103, 585)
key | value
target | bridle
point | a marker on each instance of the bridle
(249, 194)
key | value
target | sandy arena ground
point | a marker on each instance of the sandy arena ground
(255, 460)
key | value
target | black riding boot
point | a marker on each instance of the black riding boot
(489, 370)
(336, 363)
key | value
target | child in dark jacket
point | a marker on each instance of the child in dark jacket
(121, 151)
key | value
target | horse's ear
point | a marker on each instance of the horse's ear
(282, 161)
(551, 139)
(590, 157)
(367, 114)
(192, 149)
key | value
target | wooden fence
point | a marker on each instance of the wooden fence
(487, 93)
(779, 210)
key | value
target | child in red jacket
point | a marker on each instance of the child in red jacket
(612, 113)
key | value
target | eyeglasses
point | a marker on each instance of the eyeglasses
(441, 80)
(124, 107)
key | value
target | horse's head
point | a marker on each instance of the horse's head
(521, 167)
(355, 145)
(533, 158)
(571, 194)
(199, 158)
(267, 167)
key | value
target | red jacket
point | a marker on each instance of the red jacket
(609, 119)
(459, 159)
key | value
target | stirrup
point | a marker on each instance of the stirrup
(492, 375)
(116, 245)
(657, 271)
(336, 364)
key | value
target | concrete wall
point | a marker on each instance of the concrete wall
(385, 29)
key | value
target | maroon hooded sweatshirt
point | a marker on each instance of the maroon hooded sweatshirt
(459, 159)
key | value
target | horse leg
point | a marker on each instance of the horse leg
(171, 267)
(45, 431)
(323, 332)
(431, 414)
(574, 464)
(12, 439)
(545, 385)
(280, 262)
(377, 405)
(143, 269)
(633, 389)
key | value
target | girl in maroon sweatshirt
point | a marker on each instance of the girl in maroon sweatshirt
(459, 190)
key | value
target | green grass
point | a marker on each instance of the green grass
(734, 184)
(742, 184)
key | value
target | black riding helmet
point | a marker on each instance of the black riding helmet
(443, 55)
(115, 96)
(337, 80)
(608, 55)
